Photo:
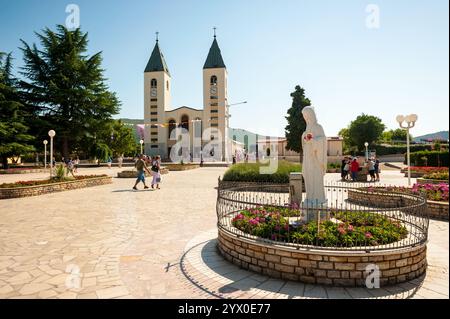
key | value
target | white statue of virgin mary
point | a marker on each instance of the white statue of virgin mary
(314, 144)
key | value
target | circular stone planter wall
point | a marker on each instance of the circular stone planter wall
(337, 268)
(382, 199)
(133, 173)
(27, 191)
(181, 167)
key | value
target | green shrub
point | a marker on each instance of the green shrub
(400, 149)
(429, 158)
(249, 172)
(60, 172)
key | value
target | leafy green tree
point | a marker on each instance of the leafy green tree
(347, 147)
(296, 123)
(399, 135)
(65, 87)
(365, 128)
(14, 139)
(122, 139)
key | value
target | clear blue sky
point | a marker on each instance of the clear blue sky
(268, 47)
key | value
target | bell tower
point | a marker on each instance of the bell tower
(157, 88)
(215, 95)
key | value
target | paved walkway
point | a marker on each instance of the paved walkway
(112, 242)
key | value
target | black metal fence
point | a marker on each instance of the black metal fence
(351, 219)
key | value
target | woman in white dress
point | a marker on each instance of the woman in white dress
(156, 171)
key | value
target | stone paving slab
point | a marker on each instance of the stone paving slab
(112, 242)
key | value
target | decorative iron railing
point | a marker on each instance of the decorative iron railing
(400, 222)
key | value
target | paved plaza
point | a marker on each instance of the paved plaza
(112, 242)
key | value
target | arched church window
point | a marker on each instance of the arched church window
(172, 126)
(214, 80)
(153, 83)
(185, 122)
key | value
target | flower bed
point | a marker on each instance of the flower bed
(40, 187)
(419, 171)
(345, 229)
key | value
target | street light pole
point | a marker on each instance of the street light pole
(367, 151)
(410, 122)
(141, 142)
(45, 153)
(227, 119)
(52, 134)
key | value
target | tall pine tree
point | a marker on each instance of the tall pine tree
(14, 140)
(66, 88)
(296, 123)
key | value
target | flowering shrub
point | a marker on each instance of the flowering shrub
(46, 181)
(436, 192)
(437, 175)
(345, 229)
(428, 169)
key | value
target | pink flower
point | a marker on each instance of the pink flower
(342, 231)
(350, 228)
(368, 235)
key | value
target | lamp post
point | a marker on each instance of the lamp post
(367, 151)
(141, 142)
(45, 153)
(52, 134)
(410, 121)
(227, 119)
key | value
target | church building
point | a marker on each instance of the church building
(161, 119)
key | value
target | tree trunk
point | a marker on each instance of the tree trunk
(5, 162)
(65, 148)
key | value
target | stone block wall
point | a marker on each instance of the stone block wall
(322, 267)
(51, 188)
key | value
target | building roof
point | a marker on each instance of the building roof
(156, 61)
(185, 107)
(214, 59)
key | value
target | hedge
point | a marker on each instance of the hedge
(400, 149)
(249, 172)
(429, 158)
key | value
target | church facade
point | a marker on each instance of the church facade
(207, 128)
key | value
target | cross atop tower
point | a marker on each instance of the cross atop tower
(214, 32)
(157, 33)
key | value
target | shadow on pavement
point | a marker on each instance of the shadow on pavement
(237, 282)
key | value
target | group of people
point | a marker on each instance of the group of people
(142, 164)
(71, 165)
(350, 168)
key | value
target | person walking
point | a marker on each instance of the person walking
(76, 164)
(141, 167)
(371, 168)
(120, 160)
(156, 171)
(377, 170)
(343, 172)
(109, 162)
(354, 168)
(70, 167)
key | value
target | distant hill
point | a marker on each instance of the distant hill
(442, 135)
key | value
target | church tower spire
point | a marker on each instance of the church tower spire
(157, 61)
(214, 59)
